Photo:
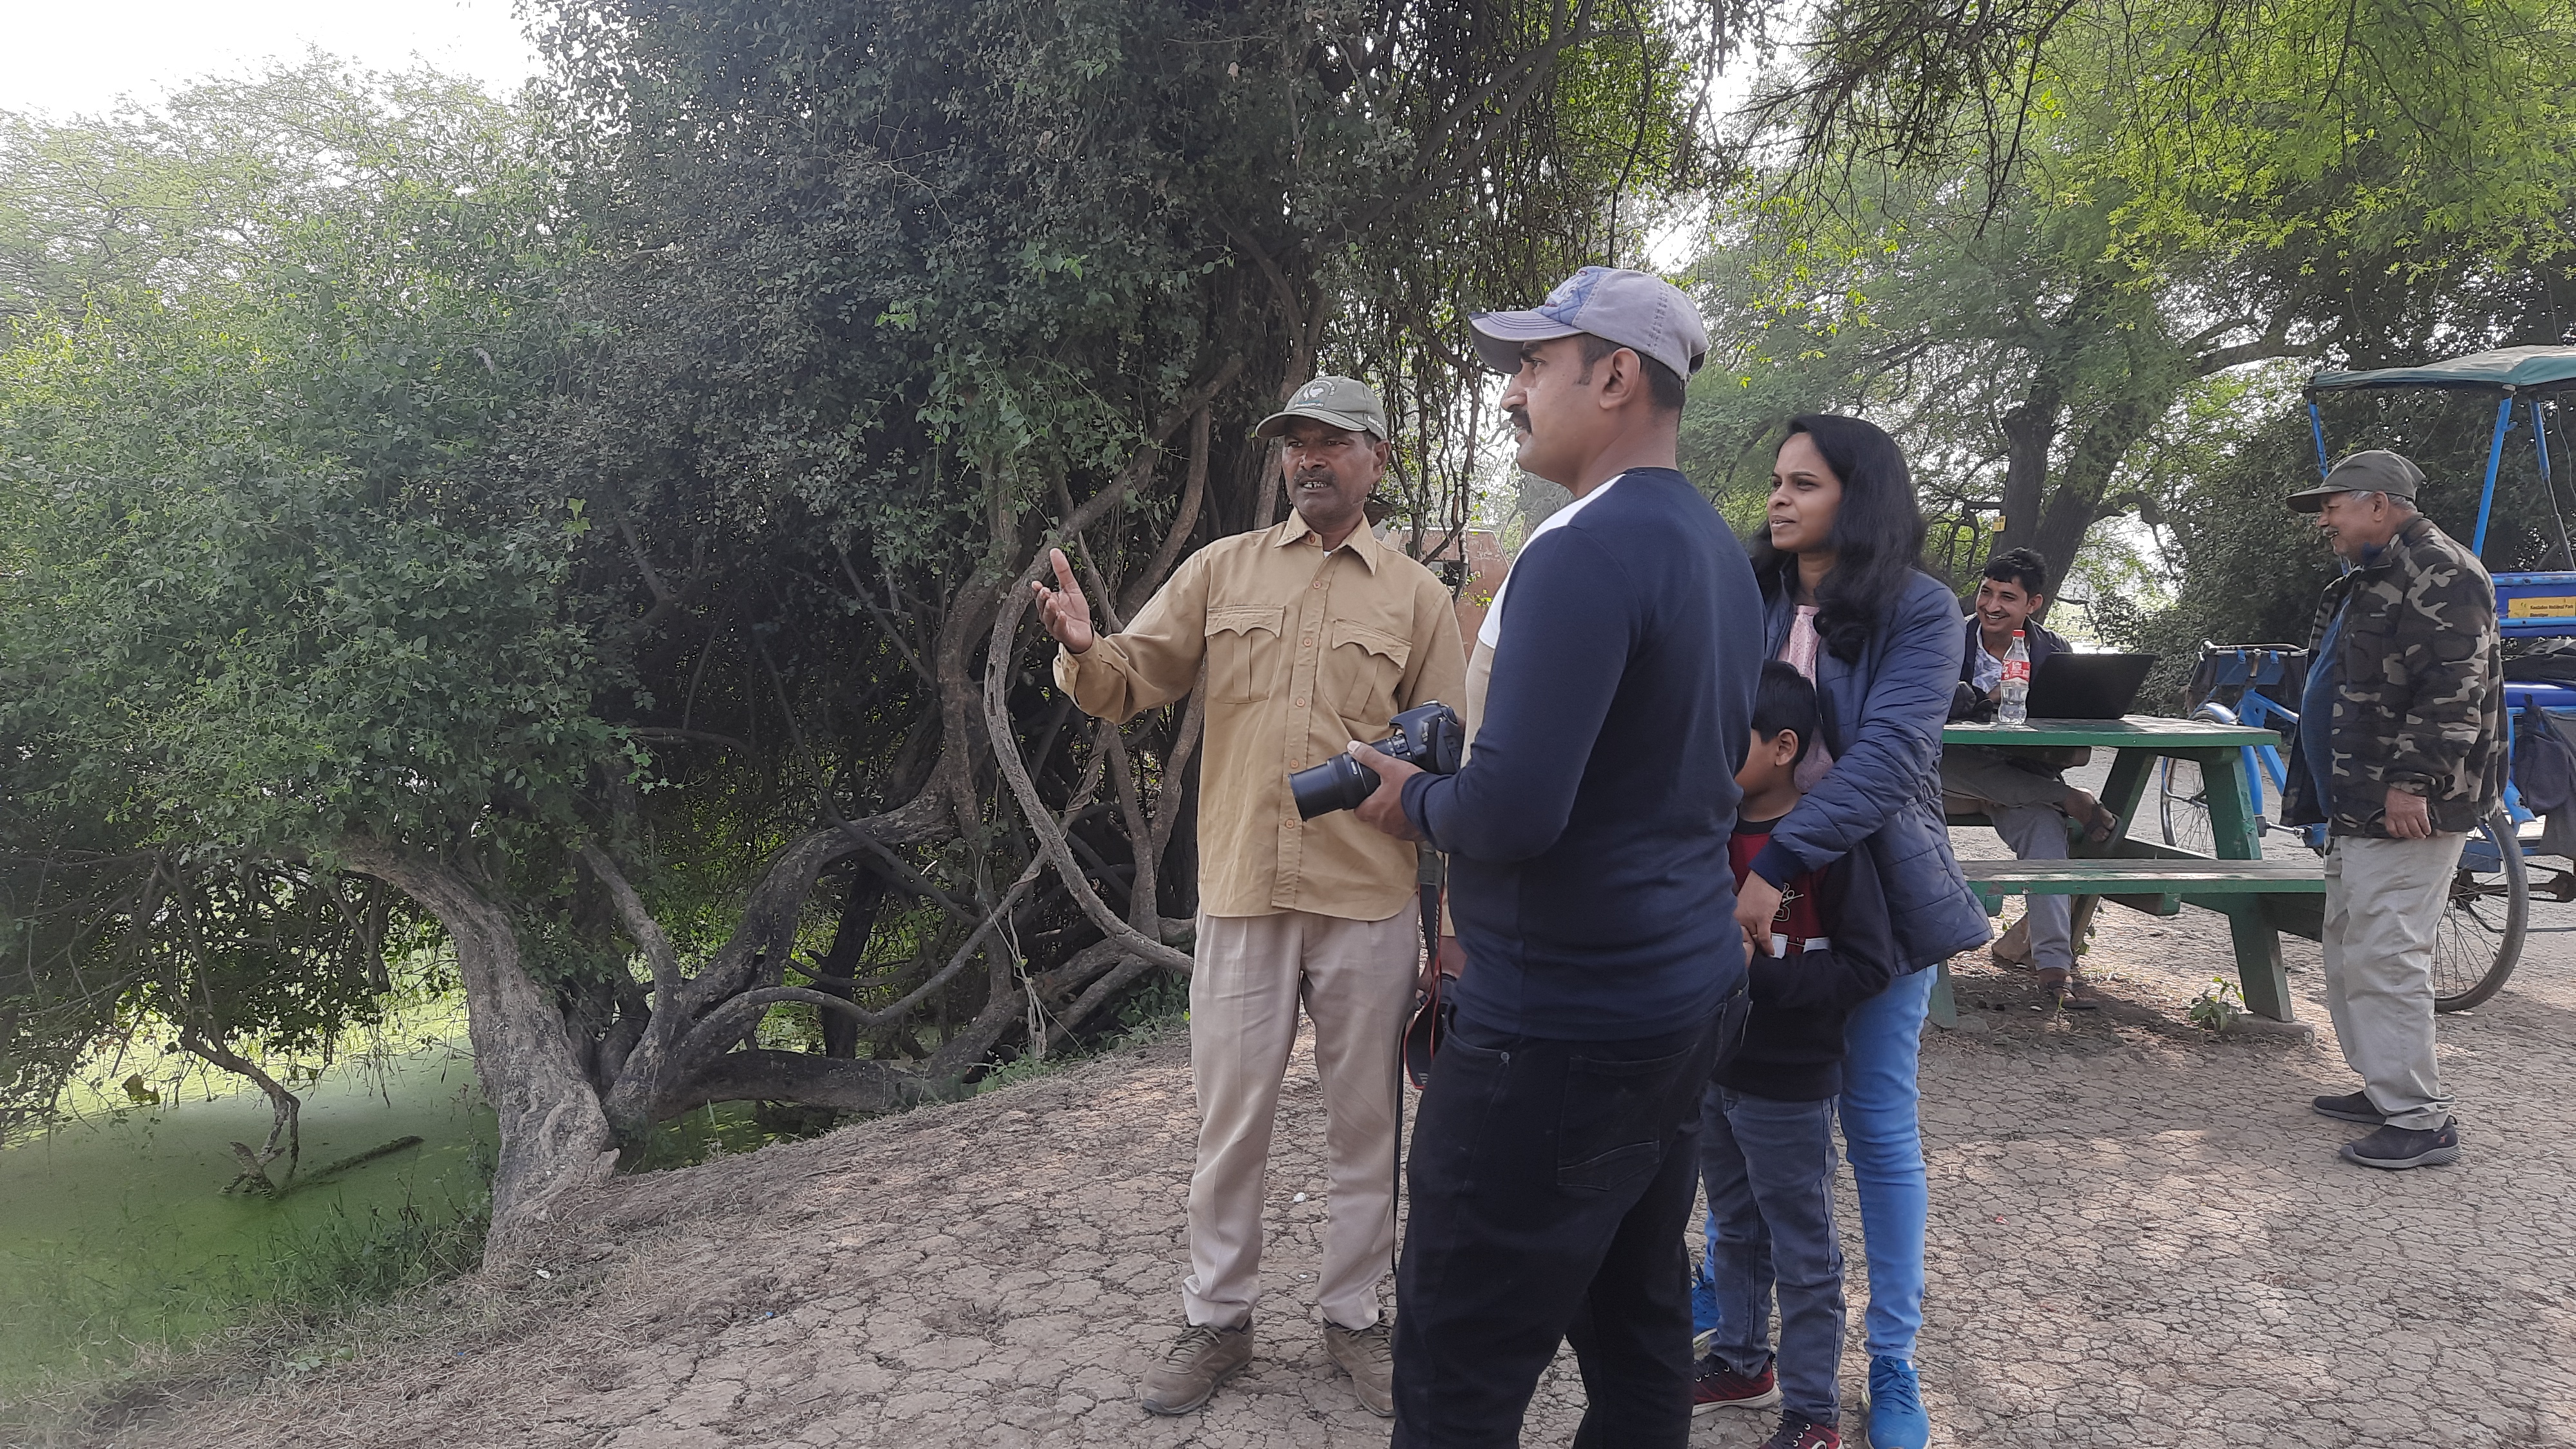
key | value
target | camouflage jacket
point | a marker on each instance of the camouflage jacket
(2419, 688)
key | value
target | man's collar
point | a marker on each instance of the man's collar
(2410, 533)
(1362, 542)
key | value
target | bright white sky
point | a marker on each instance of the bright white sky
(69, 57)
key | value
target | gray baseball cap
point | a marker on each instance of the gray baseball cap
(1343, 402)
(2375, 471)
(1632, 309)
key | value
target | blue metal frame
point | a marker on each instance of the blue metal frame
(2540, 441)
(2495, 459)
(2495, 456)
(2253, 669)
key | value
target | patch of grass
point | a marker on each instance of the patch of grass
(311, 1278)
(345, 1260)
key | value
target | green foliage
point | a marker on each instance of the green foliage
(254, 589)
(2217, 1009)
(384, 468)
(2186, 190)
(251, 600)
(228, 175)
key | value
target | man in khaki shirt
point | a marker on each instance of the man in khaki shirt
(1313, 634)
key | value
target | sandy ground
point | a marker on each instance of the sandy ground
(2139, 1236)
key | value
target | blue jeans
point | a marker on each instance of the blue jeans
(1769, 1169)
(1883, 1137)
(1884, 1140)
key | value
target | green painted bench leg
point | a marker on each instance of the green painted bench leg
(2259, 973)
(1945, 1006)
(2079, 923)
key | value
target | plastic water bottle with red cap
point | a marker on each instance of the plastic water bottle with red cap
(2013, 706)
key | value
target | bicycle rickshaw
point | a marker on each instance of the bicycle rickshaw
(2482, 931)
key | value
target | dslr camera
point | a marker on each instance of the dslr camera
(1427, 736)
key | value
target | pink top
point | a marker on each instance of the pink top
(1800, 654)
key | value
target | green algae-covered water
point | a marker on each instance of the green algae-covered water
(114, 1229)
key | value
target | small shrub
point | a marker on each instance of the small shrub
(2217, 1009)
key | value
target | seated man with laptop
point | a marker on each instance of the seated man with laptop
(2023, 791)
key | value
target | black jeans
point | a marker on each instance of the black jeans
(1551, 1185)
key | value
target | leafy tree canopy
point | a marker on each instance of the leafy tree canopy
(2190, 191)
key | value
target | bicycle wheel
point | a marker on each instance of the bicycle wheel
(2184, 803)
(2480, 937)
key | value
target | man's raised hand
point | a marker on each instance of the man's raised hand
(1062, 609)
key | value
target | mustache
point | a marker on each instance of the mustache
(1519, 417)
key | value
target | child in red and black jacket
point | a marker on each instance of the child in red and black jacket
(1767, 1122)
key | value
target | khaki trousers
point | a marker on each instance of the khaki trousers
(1356, 980)
(2384, 901)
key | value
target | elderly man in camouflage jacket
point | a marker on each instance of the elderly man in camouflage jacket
(2401, 753)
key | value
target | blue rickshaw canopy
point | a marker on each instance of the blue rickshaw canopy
(2507, 370)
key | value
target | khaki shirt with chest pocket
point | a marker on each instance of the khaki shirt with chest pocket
(1305, 652)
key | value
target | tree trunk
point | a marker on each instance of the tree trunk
(2076, 503)
(841, 962)
(2030, 434)
(554, 1136)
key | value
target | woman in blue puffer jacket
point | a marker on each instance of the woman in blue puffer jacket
(1845, 598)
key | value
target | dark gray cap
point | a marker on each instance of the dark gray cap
(1632, 309)
(2375, 471)
(1342, 402)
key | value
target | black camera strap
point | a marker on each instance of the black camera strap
(1428, 873)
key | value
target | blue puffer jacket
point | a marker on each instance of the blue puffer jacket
(1883, 719)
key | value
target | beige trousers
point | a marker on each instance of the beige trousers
(1356, 980)
(2384, 901)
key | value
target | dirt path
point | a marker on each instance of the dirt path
(2138, 1237)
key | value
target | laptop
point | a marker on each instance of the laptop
(2087, 686)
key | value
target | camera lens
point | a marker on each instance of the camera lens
(1339, 783)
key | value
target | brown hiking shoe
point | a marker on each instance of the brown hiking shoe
(1368, 1356)
(1199, 1360)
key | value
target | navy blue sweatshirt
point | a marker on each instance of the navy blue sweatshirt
(1587, 833)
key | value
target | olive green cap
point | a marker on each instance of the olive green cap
(2374, 471)
(1341, 402)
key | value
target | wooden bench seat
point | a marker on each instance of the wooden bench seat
(2133, 881)
(2260, 898)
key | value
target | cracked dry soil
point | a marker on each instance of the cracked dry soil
(2139, 1236)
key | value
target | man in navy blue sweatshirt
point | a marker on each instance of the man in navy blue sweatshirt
(1552, 1162)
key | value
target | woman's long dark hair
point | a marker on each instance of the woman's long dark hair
(1877, 535)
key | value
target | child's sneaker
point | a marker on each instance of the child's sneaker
(1720, 1387)
(1797, 1431)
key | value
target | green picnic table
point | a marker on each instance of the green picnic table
(2260, 898)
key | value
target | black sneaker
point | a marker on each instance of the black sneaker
(2353, 1108)
(1797, 1431)
(2398, 1148)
